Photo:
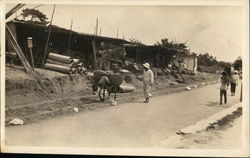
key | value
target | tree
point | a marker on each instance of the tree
(207, 60)
(135, 41)
(237, 63)
(170, 44)
(35, 14)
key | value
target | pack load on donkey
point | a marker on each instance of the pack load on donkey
(106, 80)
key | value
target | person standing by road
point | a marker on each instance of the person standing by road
(234, 82)
(148, 80)
(223, 87)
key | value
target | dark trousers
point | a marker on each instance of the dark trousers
(223, 93)
(233, 87)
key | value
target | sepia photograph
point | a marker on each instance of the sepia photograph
(125, 78)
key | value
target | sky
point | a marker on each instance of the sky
(216, 30)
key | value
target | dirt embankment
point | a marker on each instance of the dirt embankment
(58, 93)
(21, 89)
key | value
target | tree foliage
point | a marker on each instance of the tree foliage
(135, 41)
(237, 63)
(170, 44)
(34, 14)
(206, 60)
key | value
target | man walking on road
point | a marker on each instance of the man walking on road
(223, 87)
(234, 82)
(148, 80)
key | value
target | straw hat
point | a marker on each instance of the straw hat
(146, 65)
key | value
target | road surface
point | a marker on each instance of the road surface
(229, 138)
(133, 124)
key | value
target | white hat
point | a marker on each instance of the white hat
(146, 65)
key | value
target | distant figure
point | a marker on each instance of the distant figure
(234, 82)
(148, 80)
(99, 57)
(223, 87)
(228, 70)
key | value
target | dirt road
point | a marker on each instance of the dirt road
(134, 124)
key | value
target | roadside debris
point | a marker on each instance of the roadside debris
(188, 88)
(113, 103)
(75, 109)
(16, 121)
(180, 81)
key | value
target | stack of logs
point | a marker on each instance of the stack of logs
(64, 64)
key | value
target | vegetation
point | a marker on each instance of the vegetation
(237, 64)
(206, 62)
(35, 15)
(135, 41)
(170, 44)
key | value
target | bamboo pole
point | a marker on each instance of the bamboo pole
(96, 33)
(13, 10)
(47, 42)
(32, 59)
(117, 32)
(94, 45)
(20, 54)
(94, 55)
(70, 34)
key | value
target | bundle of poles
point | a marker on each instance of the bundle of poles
(64, 64)
(20, 54)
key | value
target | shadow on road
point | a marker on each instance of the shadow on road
(213, 103)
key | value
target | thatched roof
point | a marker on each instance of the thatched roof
(58, 29)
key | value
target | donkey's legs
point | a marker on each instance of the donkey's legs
(115, 88)
(99, 94)
(104, 88)
(109, 91)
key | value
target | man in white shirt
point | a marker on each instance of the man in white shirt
(148, 80)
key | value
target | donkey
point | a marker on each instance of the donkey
(102, 85)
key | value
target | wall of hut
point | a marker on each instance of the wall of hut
(156, 56)
(190, 62)
(79, 46)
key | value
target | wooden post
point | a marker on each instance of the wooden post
(117, 32)
(94, 45)
(47, 42)
(30, 46)
(32, 60)
(94, 55)
(96, 32)
(70, 34)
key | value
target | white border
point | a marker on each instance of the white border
(2, 79)
(131, 151)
